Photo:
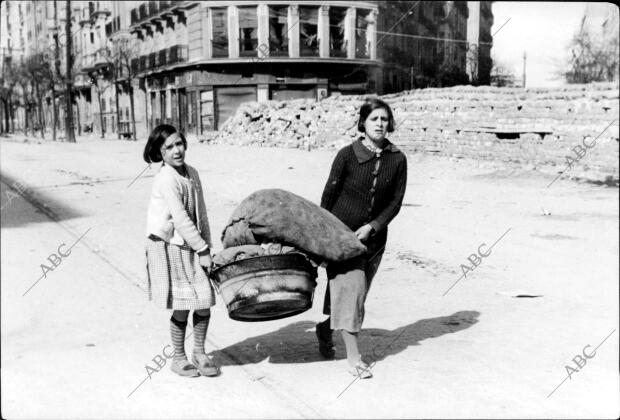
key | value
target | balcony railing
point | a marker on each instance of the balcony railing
(81, 81)
(162, 60)
(152, 60)
(177, 54)
(135, 65)
(143, 63)
(88, 62)
(95, 9)
(153, 9)
(113, 26)
(173, 55)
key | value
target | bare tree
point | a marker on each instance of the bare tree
(38, 72)
(591, 57)
(101, 83)
(123, 57)
(8, 81)
(25, 89)
(502, 75)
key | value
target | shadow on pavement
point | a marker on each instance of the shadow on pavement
(17, 200)
(297, 343)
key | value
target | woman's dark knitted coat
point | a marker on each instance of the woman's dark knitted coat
(367, 188)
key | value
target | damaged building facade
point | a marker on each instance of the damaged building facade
(192, 63)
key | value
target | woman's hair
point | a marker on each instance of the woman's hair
(370, 105)
(157, 137)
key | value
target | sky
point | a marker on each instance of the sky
(542, 29)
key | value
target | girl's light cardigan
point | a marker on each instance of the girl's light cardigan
(168, 212)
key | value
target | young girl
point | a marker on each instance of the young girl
(178, 247)
(365, 190)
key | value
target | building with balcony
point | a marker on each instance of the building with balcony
(192, 63)
(200, 60)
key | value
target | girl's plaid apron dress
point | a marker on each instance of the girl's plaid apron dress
(175, 278)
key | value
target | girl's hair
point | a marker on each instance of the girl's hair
(157, 137)
(370, 105)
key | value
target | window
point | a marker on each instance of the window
(219, 42)
(92, 38)
(278, 30)
(248, 31)
(337, 43)
(308, 31)
(362, 43)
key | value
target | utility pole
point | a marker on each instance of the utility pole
(68, 94)
(524, 60)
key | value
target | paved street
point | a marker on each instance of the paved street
(496, 345)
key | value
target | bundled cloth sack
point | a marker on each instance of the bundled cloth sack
(242, 252)
(275, 215)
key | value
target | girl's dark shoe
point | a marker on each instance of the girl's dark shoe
(326, 345)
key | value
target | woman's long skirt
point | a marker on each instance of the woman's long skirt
(175, 278)
(347, 288)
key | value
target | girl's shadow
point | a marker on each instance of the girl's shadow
(297, 342)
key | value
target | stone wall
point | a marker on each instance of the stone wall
(533, 128)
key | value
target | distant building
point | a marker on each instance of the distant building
(28, 28)
(192, 63)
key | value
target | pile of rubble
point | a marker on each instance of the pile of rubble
(533, 127)
(299, 123)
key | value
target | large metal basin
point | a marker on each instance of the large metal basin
(267, 287)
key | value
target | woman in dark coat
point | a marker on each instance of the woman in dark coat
(365, 190)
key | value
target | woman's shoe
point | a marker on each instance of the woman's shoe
(361, 370)
(326, 345)
(183, 367)
(205, 366)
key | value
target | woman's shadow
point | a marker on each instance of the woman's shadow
(297, 342)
